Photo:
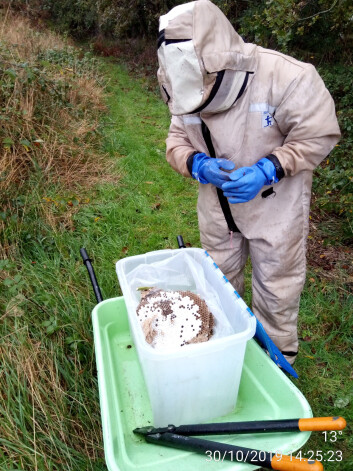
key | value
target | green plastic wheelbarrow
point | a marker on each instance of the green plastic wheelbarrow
(265, 394)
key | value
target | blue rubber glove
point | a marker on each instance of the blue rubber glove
(246, 182)
(208, 170)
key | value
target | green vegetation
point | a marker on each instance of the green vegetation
(110, 197)
(333, 187)
(99, 179)
(320, 27)
(285, 24)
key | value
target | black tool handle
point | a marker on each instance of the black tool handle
(260, 426)
(223, 451)
(87, 261)
(239, 427)
(180, 240)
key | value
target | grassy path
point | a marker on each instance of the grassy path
(49, 411)
(149, 195)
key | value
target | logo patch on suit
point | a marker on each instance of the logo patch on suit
(267, 119)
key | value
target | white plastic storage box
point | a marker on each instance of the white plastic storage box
(196, 382)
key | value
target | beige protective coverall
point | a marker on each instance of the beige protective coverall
(285, 110)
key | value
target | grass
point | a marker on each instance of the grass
(325, 371)
(136, 203)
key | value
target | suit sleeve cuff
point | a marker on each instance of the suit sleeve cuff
(190, 161)
(279, 169)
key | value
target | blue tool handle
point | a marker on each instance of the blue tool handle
(274, 352)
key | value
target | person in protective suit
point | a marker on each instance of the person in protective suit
(250, 124)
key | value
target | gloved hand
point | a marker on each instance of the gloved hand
(245, 182)
(208, 170)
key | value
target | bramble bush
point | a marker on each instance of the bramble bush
(322, 27)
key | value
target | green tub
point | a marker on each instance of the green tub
(265, 393)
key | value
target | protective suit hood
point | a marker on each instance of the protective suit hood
(203, 63)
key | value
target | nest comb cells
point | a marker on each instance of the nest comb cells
(171, 319)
